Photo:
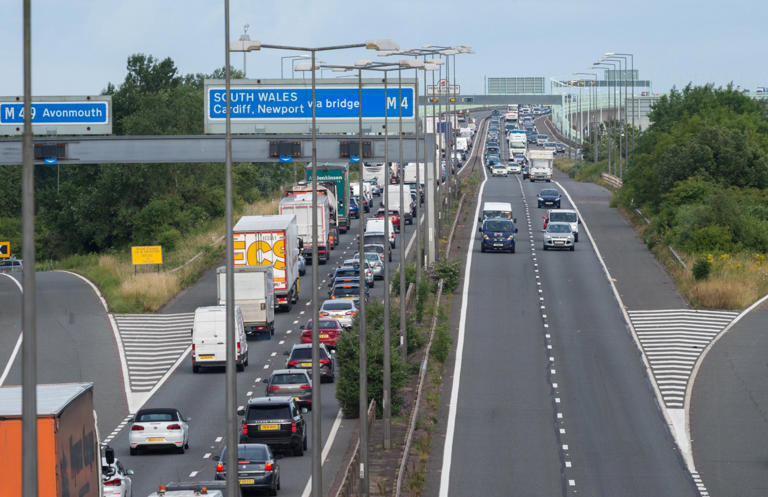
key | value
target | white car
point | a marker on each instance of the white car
(499, 170)
(115, 478)
(514, 168)
(342, 309)
(159, 428)
(558, 235)
(565, 216)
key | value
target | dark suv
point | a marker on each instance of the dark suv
(275, 421)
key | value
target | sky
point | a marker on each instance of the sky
(79, 46)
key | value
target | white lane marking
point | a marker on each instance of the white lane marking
(308, 303)
(326, 449)
(193, 474)
(266, 366)
(206, 455)
(248, 394)
(288, 332)
(273, 354)
(296, 322)
(445, 474)
(219, 439)
(301, 313)
(11, 360)
(281, 342)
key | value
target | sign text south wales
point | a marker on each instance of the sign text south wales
(287, 103)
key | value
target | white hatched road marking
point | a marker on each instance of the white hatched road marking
(672, 340)
(152, 344)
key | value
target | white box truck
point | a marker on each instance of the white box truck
(541, 164)
(300, 205)
(254, 294)
(271, 241)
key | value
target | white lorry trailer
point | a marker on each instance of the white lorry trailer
(541, 164)
(254, 294)
(271, 241)
(300, 205)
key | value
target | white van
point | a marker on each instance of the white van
(496, 209)
(376, 225)
(565, 216)
(209, 348)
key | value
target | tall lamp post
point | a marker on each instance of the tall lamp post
(622, 139)
(634, 104)
(292, 58)
(592, 130)
(617, 105)
(317, 487)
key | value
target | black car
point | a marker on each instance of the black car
(549, 198)
(526, 171)
(301, 358)
(275, 421)
(257, 467)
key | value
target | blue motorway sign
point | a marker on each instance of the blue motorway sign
(354, 158)
(286, 158)
(56, 113)
(52, 161)
(258, 103)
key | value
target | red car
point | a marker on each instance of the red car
(394, 216)
(329, 331)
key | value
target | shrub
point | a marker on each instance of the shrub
(441, 342)
(701, 269)
(449, 271)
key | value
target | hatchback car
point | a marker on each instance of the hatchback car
(542, 139)
(115, 479)
(257, 468)
(293, 382)
(548, 197)
(368, 269)
(513, 168)
(550, 146)
(558, 235)
(499, 170)
(11, 266)
(569, 216)
(341, 272)
(300, 357)
(159, 428)
(275, 421)
(379, 249)
(328, 330)
(350, 291)
(375, 261)
(354, 208)
(343, 310)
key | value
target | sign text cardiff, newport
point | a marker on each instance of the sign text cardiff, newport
(257, 103)
(56, 113)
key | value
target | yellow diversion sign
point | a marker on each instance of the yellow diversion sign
(151, 254)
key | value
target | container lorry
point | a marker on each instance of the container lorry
(334, 176)
(300, 205)
(541, 164)
(68, 458)
(254, 294)
(271, 241)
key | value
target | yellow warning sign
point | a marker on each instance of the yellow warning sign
(152, 254)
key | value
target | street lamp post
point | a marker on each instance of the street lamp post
(616, 104)
(622, 144)
(592, 130)
(317, 487)
(634, 104)
(292, 58)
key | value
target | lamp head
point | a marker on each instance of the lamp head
(411, 63)
(438, 62)
(382, 45)
(244, 45)
(363, 63)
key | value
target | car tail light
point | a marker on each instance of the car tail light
(238, 348)
(325, 361)
(323, 313)
(306, 386)
(193, 349)
(293, 363)
(274, 388)
(174, 426)
(293, 427)
(351, 313)
(220, 468)
(268, 466)
(245, 429)
(113, 482)
(137, 428)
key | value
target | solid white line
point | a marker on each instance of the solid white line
(219, 439)
(326, 449)
(193, 474)
(445, 475)
(206, 455)
(17, 347)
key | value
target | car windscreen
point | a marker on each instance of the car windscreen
(548, 193)
(337, 306)
(501, 214)
(148, 417)
(374, 238)
(289, 379)
(346, 272)
(305, 353)
(268, 412)
(498, 225)
(562, 217)
(379, 249)
(346, 291)
(323, 324)
(559, 228)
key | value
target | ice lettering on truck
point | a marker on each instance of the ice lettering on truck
(262, 249)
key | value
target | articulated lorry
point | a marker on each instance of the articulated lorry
(300, 205)
(271, 241)
(254, 294)
(68, 456)
(541, 164)
(335, 177)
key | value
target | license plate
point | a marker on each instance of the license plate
(206, 356)
(155, 439)
(498, 244)
(306, 364)
(269, 427)
(323, 335)
(247, 481)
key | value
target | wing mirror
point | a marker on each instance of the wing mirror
(241, 412)
(216, 458)
(579, 220)
(515, 229)
(109, 455)
(129, 472)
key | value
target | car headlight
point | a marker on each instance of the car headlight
(548, 237)
(485, 237)
(511, 237)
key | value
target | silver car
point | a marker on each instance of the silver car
(376, 263)
(558, 235)
(292, 382)
(159, 428)
(344, 310)
(368, 270)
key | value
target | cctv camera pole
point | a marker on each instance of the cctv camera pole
(363, 407)
(403, 237)
(233, 488)
(386, 395)
(29, 326)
